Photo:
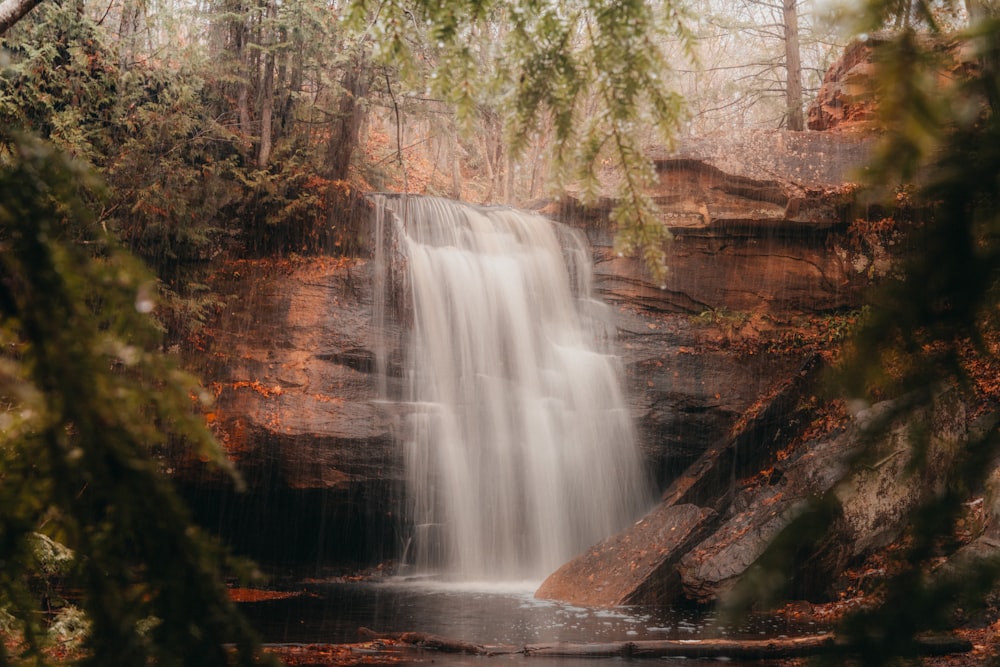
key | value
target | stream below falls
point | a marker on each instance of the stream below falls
(331, 612)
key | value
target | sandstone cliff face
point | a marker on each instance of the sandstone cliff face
(291, 359)
(292, 355)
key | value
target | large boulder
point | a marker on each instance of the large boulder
(652, 551)
(638, 565)
(874, 478)
(868, 472)
(844, 100)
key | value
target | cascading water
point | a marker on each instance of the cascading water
(520, 452)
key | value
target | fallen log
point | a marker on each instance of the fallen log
(736, 649)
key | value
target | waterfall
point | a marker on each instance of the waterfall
(520, 452)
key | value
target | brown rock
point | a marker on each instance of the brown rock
(635, 566)
(741, 243)
(844, 99)
(875, 499)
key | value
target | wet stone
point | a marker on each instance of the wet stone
(636, 566)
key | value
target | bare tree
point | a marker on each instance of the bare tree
(793, 66)
(759, 62)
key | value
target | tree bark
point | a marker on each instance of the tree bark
(239, 38)
(12, 11)
(793, 67)
(266, 98)
(454, 148)
(128, 30)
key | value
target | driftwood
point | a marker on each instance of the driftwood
(737, 649)
(426, 641)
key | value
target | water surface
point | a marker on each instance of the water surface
(484, 613)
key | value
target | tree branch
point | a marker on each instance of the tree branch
(12, 11)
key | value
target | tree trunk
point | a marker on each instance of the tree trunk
(266, 114)
(12, 11)
(793, 67)
(266, 98)
(735, 649)
(128, 29)
(456, 163)
(350, 115)
(239, 37)
(289, 80)
(490, 174)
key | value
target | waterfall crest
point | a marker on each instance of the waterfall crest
(520, 451)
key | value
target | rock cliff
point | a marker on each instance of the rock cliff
(761, 270)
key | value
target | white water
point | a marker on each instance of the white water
(521, 452)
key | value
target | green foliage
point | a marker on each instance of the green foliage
(171, 170)
(283, 211)
(61, 82)
(595, 70)
(168, 164)
(86, 401)
(183, 183)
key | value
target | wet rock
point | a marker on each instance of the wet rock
(647, 563)
(713, 566)
(686, 397)
(295, 377)
(770, 424)
(874, 498)
(636, 566)
(902, 467)
(291, 360)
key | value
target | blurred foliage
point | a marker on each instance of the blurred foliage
(939, 108)
(86, 400)
(929, 322)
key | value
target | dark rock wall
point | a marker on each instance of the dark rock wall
(291, 359)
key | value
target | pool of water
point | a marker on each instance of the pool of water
(493, 614)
